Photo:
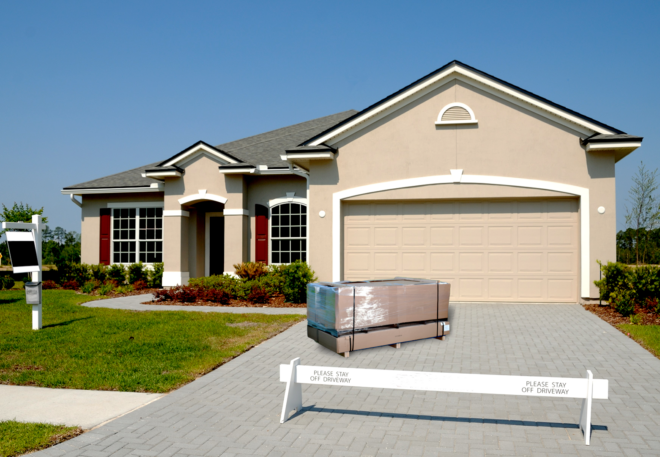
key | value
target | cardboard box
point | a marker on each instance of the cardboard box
(345, 306)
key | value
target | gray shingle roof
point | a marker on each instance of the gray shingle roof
(602, 138)
(262, 149)
(266, 148)
(130, 178)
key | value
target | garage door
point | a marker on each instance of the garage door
(524, 251)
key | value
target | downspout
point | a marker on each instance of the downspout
(73, 199)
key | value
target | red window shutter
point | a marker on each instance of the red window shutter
(261, 238)
(104, 241)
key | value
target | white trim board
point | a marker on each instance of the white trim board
(196, 150)
(201, 197)
(111, 190)
(236, 212)
(456, 72)
(581, 192)
(136, 205)
(472, 119)
(175, 212)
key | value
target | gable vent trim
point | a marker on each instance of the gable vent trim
(456, 113)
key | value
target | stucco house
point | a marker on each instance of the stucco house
(459, 176)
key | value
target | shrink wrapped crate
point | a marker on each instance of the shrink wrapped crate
(346, 306)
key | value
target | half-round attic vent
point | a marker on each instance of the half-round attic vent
(456, 113)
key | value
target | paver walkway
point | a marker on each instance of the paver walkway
(82, 408)
(235, 409)
(134, 302)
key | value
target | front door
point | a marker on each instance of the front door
(215, 244)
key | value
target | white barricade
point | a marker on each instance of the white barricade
(587, 388)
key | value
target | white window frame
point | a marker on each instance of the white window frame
(136, 207)
(278, 202)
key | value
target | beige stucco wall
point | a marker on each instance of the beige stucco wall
(261, 189)
(508, 141)
(91, 219)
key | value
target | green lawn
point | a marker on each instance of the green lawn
(647, 335)
(107, 349)
(18, 438)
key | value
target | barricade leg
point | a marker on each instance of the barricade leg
(293, 394)
(585, 413)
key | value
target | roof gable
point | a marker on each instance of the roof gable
(199, 148)
(460, 71)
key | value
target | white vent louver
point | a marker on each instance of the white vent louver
(456, 113)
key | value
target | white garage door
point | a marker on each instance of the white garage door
(488, 250)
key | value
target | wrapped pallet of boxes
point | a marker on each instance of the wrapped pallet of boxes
(349, 315)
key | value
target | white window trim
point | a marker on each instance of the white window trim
(207, 242)
(137, 207)
(281, 201)
(202, 196)
(472, 119)
(581, 192)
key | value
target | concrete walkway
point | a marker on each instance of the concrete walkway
(83, 408)
(134, 303)
(235, 409)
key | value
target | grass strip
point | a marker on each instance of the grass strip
(108, 349)
(646, 335)
(18, 438)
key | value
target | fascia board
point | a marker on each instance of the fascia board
(196, 148)
(465, 75)
(310, 155)
(613, 145)
(110, 190)
(237, 171)
(162, 174)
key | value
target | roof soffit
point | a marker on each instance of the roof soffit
(453, 72)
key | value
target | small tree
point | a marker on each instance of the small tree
(19, 213)
(643, 214)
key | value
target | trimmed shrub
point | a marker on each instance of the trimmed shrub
(99, 272)
(259, 295)
(117, 273)
(156, 275)
(215, 296)
(623, 302)
(140, 285)
(124, 289)
(7, 282)
(296, 277)
(645, 283)
(89, 287)
(137, 272)
(107, 287)
(250, 270)
(71, 285)
(47, 285)
(616, 277)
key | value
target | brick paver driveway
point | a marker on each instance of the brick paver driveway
(235, 410)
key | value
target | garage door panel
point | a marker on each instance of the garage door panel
(442, 236)
(487, 250)
(471, 236)
(413, 236)
(386, 237)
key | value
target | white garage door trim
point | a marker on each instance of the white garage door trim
(581, 192)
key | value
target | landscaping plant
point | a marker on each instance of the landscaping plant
(117, 273)
(156, 274)
(137, 272)
(250, 270)
(107, 287)
(7, 282)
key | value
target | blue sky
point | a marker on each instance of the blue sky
(89, 89)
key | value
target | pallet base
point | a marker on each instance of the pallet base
(389, 336)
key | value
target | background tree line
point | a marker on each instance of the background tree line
(57, 246)
(640, 243)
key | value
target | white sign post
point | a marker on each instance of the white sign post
(36, 270)
(587, 388)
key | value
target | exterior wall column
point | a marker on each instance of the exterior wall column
(236, 238)
(175, 248)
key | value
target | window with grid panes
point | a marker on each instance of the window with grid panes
(137, 235)
(288, 232)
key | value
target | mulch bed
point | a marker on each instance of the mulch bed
(275, 302)
(609, 315)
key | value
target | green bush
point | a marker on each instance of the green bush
(645, 283)
(117, 273)
(156, 275)
(106, 288)
(137, 272)
(7, 282)
(626, 287)
(99, 272)
(623, 302)
(70, 271)
(296, 277)
(89, 287)
(616, 277)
